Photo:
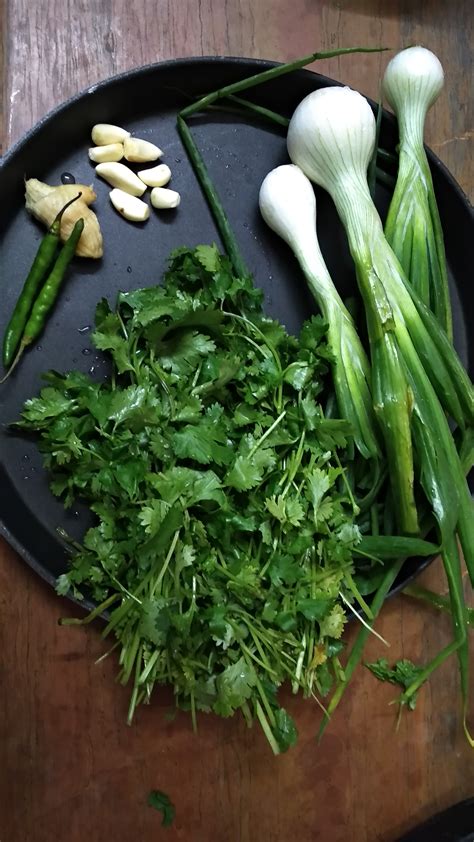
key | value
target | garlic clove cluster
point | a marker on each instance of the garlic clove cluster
(112, 143)
(115, 143)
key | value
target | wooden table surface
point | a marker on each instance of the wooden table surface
(70, 768)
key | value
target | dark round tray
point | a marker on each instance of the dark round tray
(238, 153)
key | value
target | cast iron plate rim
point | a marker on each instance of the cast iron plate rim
(150, 69)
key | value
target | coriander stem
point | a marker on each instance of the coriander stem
(151, 663)
(267, 433)
(257, 660)
(358, 596)
(166, 562)
(361, 620)
(75, 621)
(356, 651)
(266, 728)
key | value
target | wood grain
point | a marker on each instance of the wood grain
(70, 768)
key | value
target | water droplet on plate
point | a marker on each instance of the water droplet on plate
(129, 269)
(25, 458)
(68, 178)
(178, 160)
(92, 369)
(84, 329)
(86, 352)
(39, 347)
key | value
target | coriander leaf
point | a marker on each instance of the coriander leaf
(297, 375)
(201, 443)
(209, 257)
(403, 673)
(324, 678)
(312, 332)
(160, 801)
(155, 620)
(286, 621)
(181, 351)
(207, 486)
(234, 686)
(152, 516)
(314, 609)
(108, 336)
(332, 625)
(62, 584)
(160, 542)
(127, 403)
(50, 404)
(284, 569)
(190, 409)
(276, 507)
(294, 511)
(285, 730)
(248, 471)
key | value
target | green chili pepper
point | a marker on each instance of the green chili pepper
(48, 294)
(41, 265)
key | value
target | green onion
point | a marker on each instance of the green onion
(288, 205)
(412, 83)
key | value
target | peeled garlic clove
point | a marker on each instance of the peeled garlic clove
(155, 176)
(44, 201)
(104, 154)
(162, 198)
(105, 133)
(118, 175)
(140, 151)
(129, 206)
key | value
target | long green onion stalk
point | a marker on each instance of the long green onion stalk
(412, 82)
(333, 147)
(288, 205)
(269, 75)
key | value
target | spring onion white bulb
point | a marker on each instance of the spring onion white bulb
(414, 367)
(412, 82)
(288, 205)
